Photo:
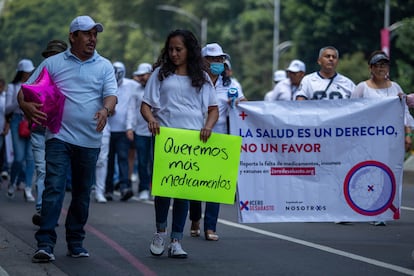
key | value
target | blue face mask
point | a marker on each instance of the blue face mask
(216, 68)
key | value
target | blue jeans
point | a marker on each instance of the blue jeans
(118, 145)
(143, 148)
(38, 147)
(23, 154)
(210, 214)
(180, 210)
(59, 155)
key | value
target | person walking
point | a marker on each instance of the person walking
(178, 94)
(278, 76)
(87, 80)
(23, 163)
(379, 85)
(119, 144)
(225, 89)
(325, 84)
(4, 129)
(138, 133)
(38, 138)
(286, 88)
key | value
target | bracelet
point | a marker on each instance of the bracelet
(108, 111)
(409, 134)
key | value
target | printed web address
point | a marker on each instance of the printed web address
(292, 171)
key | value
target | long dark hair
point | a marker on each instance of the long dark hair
(195, 65)
(18, 77)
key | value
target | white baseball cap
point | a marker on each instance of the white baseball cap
(143, 68)
(279, 75)
(25, 65)
(213, 50)
(84, 23)
(296, 66)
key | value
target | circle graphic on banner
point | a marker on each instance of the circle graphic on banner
(369, 188)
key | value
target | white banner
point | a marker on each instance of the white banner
(338, 160)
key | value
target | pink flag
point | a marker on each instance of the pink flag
(44, 91)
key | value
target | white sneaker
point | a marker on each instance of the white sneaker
(144, 195)
(134, 177)
(176, 251)
(5, 176)
(379, 223)
(28, 194)
(100, 198)
(158, 244)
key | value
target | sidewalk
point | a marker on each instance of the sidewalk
(15, 257)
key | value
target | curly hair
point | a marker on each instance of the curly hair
(195, 65)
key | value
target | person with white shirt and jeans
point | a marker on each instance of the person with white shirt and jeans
(138, 133)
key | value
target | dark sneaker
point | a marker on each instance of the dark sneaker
(126, 194)
(109, 196)
(78, 252)
(43, 256)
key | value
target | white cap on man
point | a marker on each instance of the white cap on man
(279, 75)
(143, 68)
(213, 50)
(296, 66)
(84, 23)
(25, 65)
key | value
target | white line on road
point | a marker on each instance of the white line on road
(318, 246)
(321, 247)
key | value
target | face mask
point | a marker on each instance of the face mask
(216, 68)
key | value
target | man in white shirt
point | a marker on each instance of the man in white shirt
(119, 144)
(138, 132)
(285, 89)
(325, 84)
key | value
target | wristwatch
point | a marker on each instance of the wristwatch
(109, 113)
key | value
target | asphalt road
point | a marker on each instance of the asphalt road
(119, 233)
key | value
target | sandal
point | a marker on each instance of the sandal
(195, 229)
(211, 235)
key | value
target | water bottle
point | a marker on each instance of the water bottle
(232, 94)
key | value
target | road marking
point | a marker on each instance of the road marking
(322, 247)
(145, 270)
(318, 246)
(407, 208)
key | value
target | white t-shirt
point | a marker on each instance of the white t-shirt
(313, 87)
(176, 103)
(118, 121)
(223, 105)
(283, 91)
(362, 90)
(2, 110)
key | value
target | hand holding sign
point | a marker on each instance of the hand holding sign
(185, 167)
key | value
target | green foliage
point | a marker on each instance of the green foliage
(135, 31)
(354, 66)
(405, 43)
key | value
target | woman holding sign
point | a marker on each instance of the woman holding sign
(228, 92)
(178, 94)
